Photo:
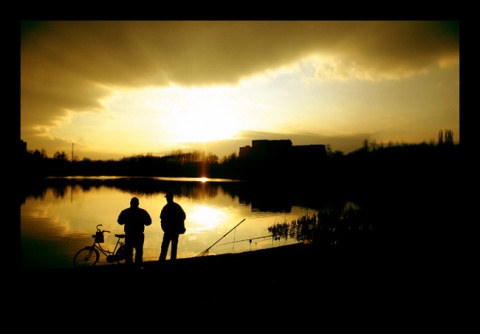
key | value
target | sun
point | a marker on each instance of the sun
(204, 114)
(174, 117)
(202, 124)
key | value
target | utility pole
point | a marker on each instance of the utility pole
(72, 152)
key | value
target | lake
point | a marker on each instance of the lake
(59, 215)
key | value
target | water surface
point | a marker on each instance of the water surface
(223, 216)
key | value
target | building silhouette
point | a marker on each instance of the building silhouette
(264, 149)
(274, 158)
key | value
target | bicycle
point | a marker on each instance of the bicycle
(89, 255)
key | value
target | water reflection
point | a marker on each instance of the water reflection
(59, 215)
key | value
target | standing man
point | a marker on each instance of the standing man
(134, 220)
(172, 221)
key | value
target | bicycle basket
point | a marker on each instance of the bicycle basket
(99, 237)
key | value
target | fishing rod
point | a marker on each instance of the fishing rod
(249, 239)
(206, 250)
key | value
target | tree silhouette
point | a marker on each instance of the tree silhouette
(61, 156)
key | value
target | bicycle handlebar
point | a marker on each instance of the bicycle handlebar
(99, 230)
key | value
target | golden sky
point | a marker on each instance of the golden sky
(114, 89)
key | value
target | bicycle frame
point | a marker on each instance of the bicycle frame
(90, 255)
(108, 252)
(111, 256)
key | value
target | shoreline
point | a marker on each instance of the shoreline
(301, 277)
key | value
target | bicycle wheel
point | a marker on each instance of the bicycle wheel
(120, 254)
(86, 257)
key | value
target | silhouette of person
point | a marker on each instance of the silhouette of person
(134, 220)
(172, 221)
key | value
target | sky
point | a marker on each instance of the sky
(112, 89)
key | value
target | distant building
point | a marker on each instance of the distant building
(309, 151)
(245, 151)
(269, 159)
(270, 149)
(282, 148)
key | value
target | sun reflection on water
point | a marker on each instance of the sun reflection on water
(205, 217)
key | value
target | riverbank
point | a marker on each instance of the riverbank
(294, 286)
(280, 272)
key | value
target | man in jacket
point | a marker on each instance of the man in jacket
(172, 221)
(134, 220)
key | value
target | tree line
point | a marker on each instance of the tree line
(371, 157)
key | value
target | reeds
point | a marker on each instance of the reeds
(326, 227)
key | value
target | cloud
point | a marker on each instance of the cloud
(72, 66)
(138, 53)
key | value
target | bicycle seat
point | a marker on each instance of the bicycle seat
(120, 235)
